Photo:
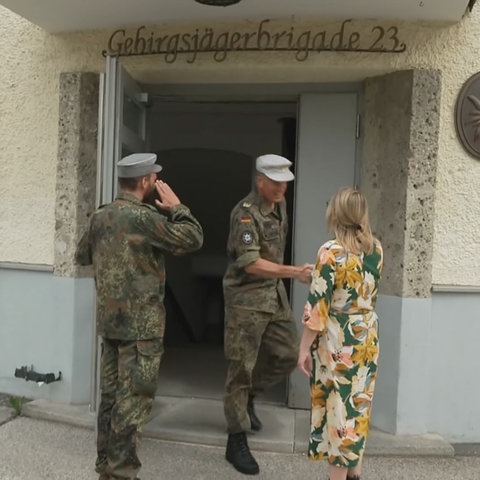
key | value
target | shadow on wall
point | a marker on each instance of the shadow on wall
(210, 182)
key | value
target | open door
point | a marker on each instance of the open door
(122, 117)
(326, 160)
(124, 124)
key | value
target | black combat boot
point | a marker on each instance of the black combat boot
(255, 423)
(355, 477)
(238, 454)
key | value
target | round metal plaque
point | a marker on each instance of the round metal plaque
(218, 3)
(467, 115)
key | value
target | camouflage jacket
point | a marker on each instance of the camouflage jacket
(256, 232)
(126, 243)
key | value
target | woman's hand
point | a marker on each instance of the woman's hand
(305, 363)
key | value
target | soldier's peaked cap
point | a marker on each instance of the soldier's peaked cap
(275, 167)
(138, 165)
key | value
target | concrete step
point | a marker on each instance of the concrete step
(201, 421)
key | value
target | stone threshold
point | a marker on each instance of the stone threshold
(200, 421)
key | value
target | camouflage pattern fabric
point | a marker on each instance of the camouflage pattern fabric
(261, 343)
(255, 232)
(261, 349)
(126, 243)
(128, 384)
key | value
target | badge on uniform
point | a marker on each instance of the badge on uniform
(247, 237)
(246, 220)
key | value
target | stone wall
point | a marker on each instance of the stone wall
(399, 167)
(76, 166)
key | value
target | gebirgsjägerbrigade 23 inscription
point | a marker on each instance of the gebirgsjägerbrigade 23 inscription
(343, 38)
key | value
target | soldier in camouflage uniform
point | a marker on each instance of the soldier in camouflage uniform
(261, 344)
(126, 243)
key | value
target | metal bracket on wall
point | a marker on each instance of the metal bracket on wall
(40, 378)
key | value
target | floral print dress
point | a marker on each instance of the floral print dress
(340, 308)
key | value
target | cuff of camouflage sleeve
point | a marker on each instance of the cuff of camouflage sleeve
(179, 209)
(248, 258)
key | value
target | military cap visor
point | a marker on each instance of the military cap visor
(138, 165)
(275, 167)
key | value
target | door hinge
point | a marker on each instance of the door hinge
(358, 126)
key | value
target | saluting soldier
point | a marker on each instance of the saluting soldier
(126, 243)
(261, 343)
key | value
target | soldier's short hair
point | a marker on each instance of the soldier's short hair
(129, 183)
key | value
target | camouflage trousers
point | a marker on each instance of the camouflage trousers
(261, 349)
(129, 375)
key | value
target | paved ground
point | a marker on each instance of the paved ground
(32, 449)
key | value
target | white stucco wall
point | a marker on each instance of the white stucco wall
(32, 61)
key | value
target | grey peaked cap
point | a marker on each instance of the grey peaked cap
(138, 165)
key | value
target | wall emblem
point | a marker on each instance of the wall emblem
(467, 115)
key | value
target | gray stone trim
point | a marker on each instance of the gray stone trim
(399, 165)
(439, 288)
(32, 267)
(77, 164)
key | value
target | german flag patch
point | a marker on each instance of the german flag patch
(245, 219)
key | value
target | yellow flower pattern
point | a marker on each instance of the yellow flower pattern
(340, 308)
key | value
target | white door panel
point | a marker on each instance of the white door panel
(122, 120)
(326, 152)
(124, 124)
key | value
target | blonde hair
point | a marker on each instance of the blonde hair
(347, 219)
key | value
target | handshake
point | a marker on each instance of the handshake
(303, 273)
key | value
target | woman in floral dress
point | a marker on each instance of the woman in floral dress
(339, 347)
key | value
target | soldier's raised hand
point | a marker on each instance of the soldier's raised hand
(168, 198)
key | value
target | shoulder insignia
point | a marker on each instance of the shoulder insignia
(246, 204)
(247, 237)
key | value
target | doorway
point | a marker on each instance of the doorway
(208, 150)
(207, 137)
